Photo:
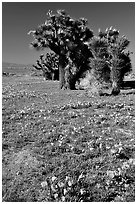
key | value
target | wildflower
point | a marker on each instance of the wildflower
(81, 176)
(67, 177)
(55, 195)
(110, 174)
(119, 171)
(65, 191)
(126, 185)
(82, 191)
(63, 198)
(98, 185)
(53, 178)
(53, 188)
(69, 183)
(113, 151)
(125, 165)
(107, 182)
(107, 147)
(61, 184)
(131, 161)
(120, 149)
(44, 183)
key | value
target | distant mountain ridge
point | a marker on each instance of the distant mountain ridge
(15, 65)
(27, 68)
(16, 69)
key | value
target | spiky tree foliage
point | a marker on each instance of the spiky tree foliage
(119, 58)
(49, 66)
(67, 38)
(100, 70)
(110, 56)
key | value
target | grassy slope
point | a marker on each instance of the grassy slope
(66, 145)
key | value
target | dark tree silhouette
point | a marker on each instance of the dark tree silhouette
(49, 66)
(67, 38)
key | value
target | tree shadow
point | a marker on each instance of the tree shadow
(128, 85)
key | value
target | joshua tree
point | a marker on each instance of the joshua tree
(119, 59)
(49, 66)
(110, 57)
(67, 38)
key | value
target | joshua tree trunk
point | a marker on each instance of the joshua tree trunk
(62, 71)
(115, 88)
(72, 83)
(45, 74)
(69, 79)
(65, 76)
(56, 75)
(116, 80)
(53, 76)
(75, 78)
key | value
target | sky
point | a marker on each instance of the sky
(18, 18)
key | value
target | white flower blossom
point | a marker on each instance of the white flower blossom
(44, 183)
(63, 198)
(111, 174)
(53, 178)
(65, 191)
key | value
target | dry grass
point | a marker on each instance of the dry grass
(66, 145)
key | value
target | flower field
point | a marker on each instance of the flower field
(69, 146)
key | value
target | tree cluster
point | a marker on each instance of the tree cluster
(49, 66)
(78, 50)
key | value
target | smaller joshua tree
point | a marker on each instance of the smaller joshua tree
(100, 70)
(119, 60)
(49, 66)
(110, 58)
